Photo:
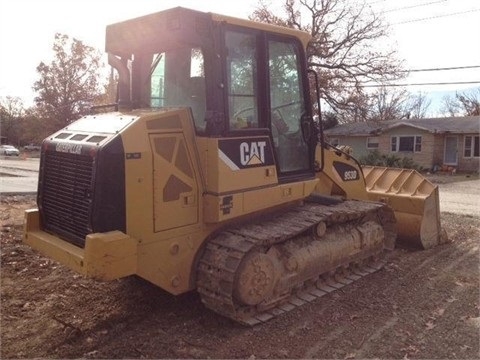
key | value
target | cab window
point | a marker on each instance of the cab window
(242, 80)
(287, 106)
(178, 79)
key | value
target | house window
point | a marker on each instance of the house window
(406, 143)
(372, 142)
(472, 146)
(334, 141)
(394, 144)
(418, 143)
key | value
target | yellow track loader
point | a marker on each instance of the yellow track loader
(211, 174)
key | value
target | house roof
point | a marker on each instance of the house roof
(452, 125)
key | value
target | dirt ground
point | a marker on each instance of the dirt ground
(423, 304)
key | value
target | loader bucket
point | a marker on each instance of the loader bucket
(415, 201)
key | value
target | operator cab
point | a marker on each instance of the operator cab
(239, 78)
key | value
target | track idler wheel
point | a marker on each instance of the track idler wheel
(256, 279)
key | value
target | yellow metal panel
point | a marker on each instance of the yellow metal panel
(222, 175)
(51, 246)
(267, 198)
(175, 188)
(325, 184)
(110, 255)
(138, 179)
(330, 181)
(31, 220)
(248, 202)
(106, 256)
(414, 199)
(220, 208)
(169, 263)
(57, 249)
(147, 218)
(397, 181)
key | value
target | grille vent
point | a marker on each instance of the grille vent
(66, 195)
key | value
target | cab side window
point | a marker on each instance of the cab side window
(287, 106)
(242, 80)
(178, 79)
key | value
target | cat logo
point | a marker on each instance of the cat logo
(252, 153)
(245, 153)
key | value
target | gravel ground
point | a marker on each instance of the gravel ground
(422, 304)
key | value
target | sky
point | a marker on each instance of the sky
(428, 34)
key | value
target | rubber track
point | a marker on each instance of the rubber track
(224, 253)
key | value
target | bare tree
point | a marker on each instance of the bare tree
(450, 106)
(470, 102)
(345, 47)
(388, 104)
(11, 114)
(418, 105)
(462, 104)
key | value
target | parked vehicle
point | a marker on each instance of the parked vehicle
(32, 147)
(9, 150)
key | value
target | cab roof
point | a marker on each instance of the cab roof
(135, 34)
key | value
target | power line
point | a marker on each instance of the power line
(422, 84)
(443, 68)
(437, 17)
(376, 2)
(413, 6)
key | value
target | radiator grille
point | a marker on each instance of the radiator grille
(66, 195)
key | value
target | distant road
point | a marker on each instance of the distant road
(460, 197)
(18, 176)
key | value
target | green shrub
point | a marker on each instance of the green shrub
(375, 158)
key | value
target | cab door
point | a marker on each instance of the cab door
(290, 124)
(267, 94)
